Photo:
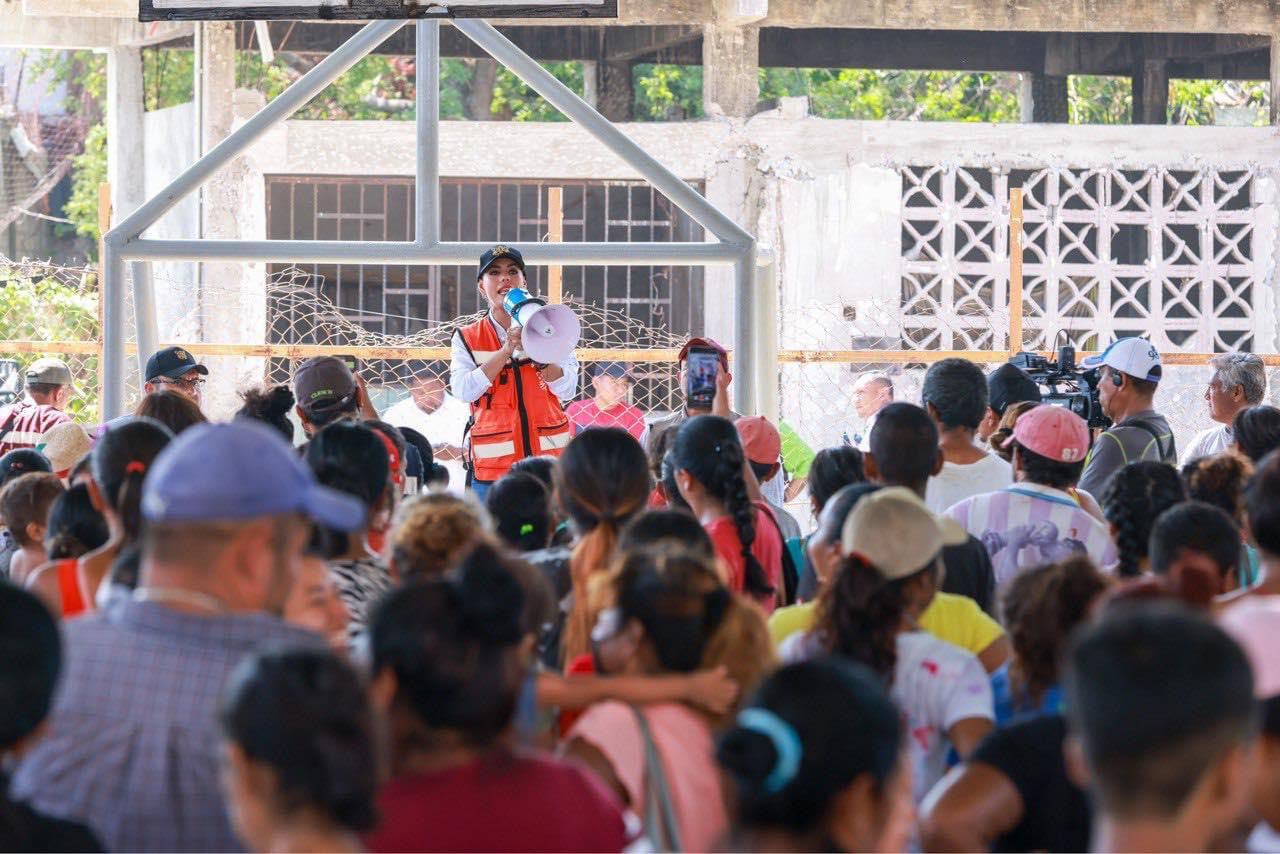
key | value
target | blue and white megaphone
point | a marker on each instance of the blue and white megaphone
(550, 331)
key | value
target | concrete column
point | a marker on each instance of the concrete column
(615, 91)
(1150, 92)
(125, 146)
(1275, 78)
(1049, 99)
(730, 65)
(230, 296)
(590, 82)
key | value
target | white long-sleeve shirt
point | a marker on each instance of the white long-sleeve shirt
(467, 381)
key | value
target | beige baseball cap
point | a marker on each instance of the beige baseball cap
(49, 370)
(896, 533)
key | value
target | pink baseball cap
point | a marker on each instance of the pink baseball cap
(1255, 624)
(1054, 432)
(760, 439)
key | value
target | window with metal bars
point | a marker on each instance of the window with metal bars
(401, 300)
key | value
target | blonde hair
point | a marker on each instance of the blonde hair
(432, 531)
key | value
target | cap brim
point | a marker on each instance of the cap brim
(333, 508)
(1094, 361)
(182, 370)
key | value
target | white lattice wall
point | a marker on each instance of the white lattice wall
(1169, 254)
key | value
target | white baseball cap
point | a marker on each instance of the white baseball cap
(1132, 356)
(896, 533)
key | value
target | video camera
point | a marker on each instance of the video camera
(1066, 385)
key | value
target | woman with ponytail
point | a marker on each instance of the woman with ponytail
(667, 608)
(816, 763)
(118, 464)
(869, 613)
(449, 657)
(75, 529)
(1135, 498)
(710, 473)
(602, 481)
(299, 748)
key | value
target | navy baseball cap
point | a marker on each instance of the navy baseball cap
(610, 369)
(173, 362)
(240, 470)
(499, 251)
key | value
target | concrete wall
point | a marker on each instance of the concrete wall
(826, 195)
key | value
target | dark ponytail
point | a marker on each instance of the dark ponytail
(859, 614)
(349, 457)
(1134, 499)
(120, 462)
(708, 448)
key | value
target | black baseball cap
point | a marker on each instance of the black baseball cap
(173, 362)
(494, 254)
(1009, 384)
(610, 369)
(323, 383)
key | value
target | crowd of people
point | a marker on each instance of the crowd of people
(1004, 632)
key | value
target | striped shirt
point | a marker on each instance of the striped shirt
(1028, 524)
(25, 423)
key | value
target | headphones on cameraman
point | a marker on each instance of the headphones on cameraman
(1116, 379)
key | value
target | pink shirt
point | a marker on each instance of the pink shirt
(684, 743)
(584, 413)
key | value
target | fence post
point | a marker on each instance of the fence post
(1015, 270)
(766, 373)
(555, 234)
(104, 225)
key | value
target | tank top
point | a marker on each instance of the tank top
(69, 586)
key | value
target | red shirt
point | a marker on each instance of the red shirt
(511, 802)
(767, 548)
(27, 423)
(584, 413)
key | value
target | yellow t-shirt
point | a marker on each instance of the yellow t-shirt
(955, 619)
(785, 622)
(958, 620)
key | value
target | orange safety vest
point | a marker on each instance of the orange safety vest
(517, 417)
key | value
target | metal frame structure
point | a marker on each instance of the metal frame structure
(124, 243)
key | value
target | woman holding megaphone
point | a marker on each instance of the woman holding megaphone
(515, 401)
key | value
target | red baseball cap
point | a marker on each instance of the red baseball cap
(760, 439)
(1054, 432)
(704, 342)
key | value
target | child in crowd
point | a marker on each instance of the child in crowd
(24, 508)
(75, 529)
(521, 509)
(1136, 496)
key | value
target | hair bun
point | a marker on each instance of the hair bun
(749, 756)
(490, 599)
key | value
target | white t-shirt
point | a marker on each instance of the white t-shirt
(1208, 443)
(442, 427)
(957, 482)
(935, 686)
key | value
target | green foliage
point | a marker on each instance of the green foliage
(1096, 100)
(84, 73)
(35, 308)
(168, 77)
(455, 82)
(355, 95)
(852, 93)
(1197, 102)
(667, 92)
(515, 101)
(88, 170)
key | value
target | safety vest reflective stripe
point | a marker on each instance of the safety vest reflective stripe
(23, 437)
(549, 441)
(482, 356)
(491, 450)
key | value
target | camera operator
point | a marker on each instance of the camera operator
(1130, 372)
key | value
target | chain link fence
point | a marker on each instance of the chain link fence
(50, 309)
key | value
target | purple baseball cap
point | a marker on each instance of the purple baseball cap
(241, 470)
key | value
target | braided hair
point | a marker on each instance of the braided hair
(709, 450)
(1136, 496)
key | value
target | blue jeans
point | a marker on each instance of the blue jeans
(480, 488)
